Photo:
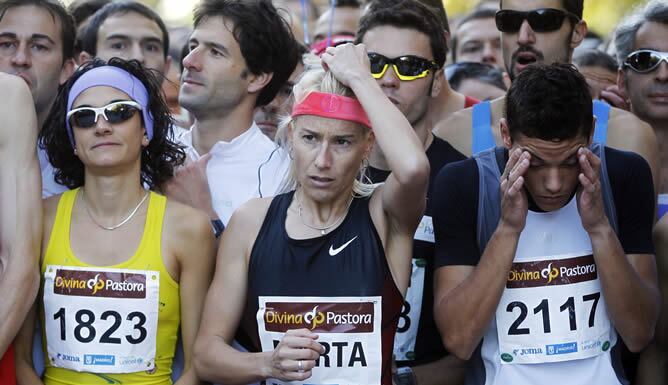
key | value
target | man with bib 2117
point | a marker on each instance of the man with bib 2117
(543, 263)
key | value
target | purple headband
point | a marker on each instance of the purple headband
(115, 77)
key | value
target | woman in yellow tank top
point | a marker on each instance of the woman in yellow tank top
(122, 267)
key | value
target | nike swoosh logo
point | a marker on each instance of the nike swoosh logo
(333, 251)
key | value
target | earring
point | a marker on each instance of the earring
(75, 151)
(290, 154)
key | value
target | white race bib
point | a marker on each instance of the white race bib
(409, 319)
(101, 320)
(348, 327)
(552, 310)
(425, 231)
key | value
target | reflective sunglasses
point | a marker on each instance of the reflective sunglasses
(406, 67)
(540, 20)
(645, 60)
(116, 112)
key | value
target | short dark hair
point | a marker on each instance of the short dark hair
(456, 73)
(348, 3)
(575, 7)
(89, 34)
(58, 12)
(478, 14)
(265, 39)
(595, 58)
(438, 8)
(83, 9)
(549, 102)
(158, 159)
(406, 14)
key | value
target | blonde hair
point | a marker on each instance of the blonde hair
(315, 78)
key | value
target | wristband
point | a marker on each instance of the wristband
(405, 376)
(218, 227)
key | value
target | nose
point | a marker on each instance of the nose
(390, 78)
(324, 158)
(102, 125)
(137, 53)
(553, 180)
(526, 34)
(662, 71)
(21, 57)
(192, 60)
(488, 54)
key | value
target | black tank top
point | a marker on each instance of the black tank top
(322, 267)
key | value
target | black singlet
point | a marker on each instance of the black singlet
(282, 266)
(428, 344)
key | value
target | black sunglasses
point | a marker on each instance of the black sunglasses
(116, 112)
(645, 60)
(540, 20)
(406, 67)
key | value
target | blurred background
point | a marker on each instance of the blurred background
(601, 15)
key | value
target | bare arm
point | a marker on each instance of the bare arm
(404, 190)
(194, 245)
(215, 359)
(628, 133)
(20, 208)
(466, 297)
(628, 281)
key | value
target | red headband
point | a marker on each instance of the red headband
(320, 47)
(331, 106)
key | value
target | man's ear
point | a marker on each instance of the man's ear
(621, 82)
(258, 82)
(505, 133)
(591, 133)
(439, 78)
(84, 57)
(67, 70)
(579, 33)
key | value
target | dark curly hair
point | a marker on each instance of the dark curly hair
(158, 159)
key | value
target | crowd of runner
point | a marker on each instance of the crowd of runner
(360, 192)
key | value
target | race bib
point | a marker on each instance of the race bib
(409, 320)
(425, 231)
(349, 328)
(552, 310)
(101, 320)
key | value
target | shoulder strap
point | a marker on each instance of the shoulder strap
(489, 199)
(606, 189)
(601, 112)
(482, 138)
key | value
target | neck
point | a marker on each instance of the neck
(447, 102)
(321, 214)
(112, 197)
(661, 130)
(422, 130)
(210, 129)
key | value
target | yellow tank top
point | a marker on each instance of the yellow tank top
(148, 256)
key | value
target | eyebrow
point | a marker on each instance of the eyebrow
(34, 36)
(215, 45)
(538, 158)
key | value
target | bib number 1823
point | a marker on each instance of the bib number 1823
(85, 330)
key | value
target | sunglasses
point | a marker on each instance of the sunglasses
(540, 20)
(116, 112)
(406, 67)
(645, 60)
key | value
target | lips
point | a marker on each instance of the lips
(103, 145)
(319, 181)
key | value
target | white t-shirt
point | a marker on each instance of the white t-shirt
(249, 166)
(49, 185)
